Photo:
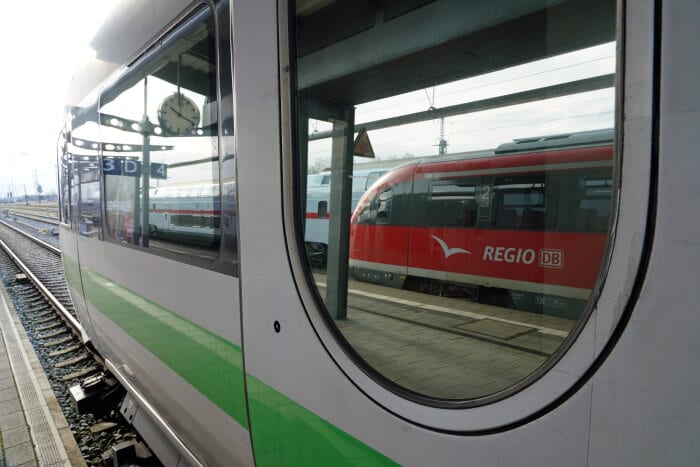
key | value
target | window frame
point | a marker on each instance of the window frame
(224, 259)
(615, 284)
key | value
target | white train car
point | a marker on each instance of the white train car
(318, 197)
(240, 354)
(188, 214)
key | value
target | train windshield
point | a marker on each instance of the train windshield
(463, 266)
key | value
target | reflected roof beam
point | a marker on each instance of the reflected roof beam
(533, 95)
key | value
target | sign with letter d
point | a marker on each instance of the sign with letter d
(131, 168)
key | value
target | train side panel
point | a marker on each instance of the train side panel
(260, 366)
(168, 347)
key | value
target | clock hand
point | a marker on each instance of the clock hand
(182, 116)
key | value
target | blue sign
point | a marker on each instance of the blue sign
(159, 170)
(112, 165)
(121, 166)
(131, 168)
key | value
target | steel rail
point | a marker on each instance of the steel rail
(35, 217)
(49, 247)
(53, 301)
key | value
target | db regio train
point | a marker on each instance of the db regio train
(318, 192)
(473, 227)
(518, 287)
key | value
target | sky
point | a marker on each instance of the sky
(42, 44)
(487, 129)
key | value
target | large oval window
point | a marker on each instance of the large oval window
(455, 172)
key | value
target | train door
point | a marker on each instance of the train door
(344, 370)
(443, 239)
(164, 297)
(410, 378)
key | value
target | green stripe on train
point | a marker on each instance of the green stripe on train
(284, 433)
(210, 363)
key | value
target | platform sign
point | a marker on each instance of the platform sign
(159, 170)
(112, 165)
(131, 168)
(121, 166)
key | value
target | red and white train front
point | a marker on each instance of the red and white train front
(502, 229)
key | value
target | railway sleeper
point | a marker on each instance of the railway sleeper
(59, 341)
(72, 361)
(41, 315)
(80, 373)
(65, 351)
(51, 325)
(50, 319)
(52, 334)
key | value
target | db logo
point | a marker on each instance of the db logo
(552, 258)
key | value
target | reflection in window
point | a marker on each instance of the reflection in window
(470, 252)
(520, 204)
(161, 156)
(452, 204)
(594, 205)
(80, 165)
(377, 211)
(90, 202)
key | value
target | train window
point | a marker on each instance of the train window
(595, 204)
(452, 204)
(521, 203)
(90, 201)
(462, 267)
(74, 181)
(378, 210)
(159, 127)
(63, 174)
(384, 206)
(80, 175)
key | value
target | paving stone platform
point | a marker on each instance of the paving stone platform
(33, 430)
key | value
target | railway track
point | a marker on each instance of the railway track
(33, 216)
(43, 210)
(33, 275)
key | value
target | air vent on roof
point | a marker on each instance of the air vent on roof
(565, 140)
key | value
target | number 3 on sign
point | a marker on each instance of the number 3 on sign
(112, 166)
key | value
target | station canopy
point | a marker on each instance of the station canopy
(421, 43)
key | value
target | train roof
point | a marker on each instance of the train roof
(527, 145)
(130, 27)
(558, 141)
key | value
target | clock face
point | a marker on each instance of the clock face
(178, 115)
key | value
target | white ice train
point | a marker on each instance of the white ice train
(238, 353)
(186, 214)
(318, 197)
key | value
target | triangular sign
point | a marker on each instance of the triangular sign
(362, 146)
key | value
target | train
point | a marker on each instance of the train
(318, 192)
(188, 214)
(508, 299)
(472, 227)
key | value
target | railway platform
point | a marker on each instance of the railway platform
(33, 430)
(446, 347)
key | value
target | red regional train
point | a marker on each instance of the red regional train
(504, 228)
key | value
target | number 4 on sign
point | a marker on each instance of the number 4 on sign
(159, 170)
